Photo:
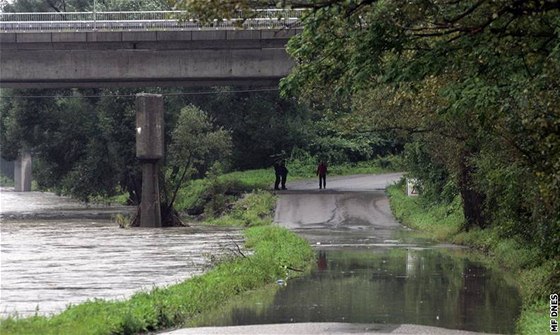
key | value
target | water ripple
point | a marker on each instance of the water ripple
(49, 264)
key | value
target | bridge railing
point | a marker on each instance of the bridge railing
(140, 21)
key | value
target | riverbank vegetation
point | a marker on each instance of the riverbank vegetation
(468, 90)
(214, 195)
(270, 253)
(472, 89)
(536, 276)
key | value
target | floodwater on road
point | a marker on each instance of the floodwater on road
(47, 264)
(372, 270)
(385, 286)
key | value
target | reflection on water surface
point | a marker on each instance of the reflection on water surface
(394, 286)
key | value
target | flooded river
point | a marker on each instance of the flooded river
(47, 264)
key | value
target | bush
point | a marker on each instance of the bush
(537, 277)
(253, 209)
(436, 184)
(442, 220)
(5, 181)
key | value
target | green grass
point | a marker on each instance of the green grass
(212, 194)
(441, 222)
(196, 195)
(534, 319)
(258, 299)
(536, 277)
(303, 170)
(276, 252)
(254, 209)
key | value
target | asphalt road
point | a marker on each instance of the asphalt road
(348, 204)
(321, 328)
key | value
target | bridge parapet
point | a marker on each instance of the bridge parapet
(142, 21)
(217, 39)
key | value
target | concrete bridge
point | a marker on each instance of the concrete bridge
(119, 49)
(66, 50)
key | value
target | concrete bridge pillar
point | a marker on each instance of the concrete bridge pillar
(149, 150)
(22, 172)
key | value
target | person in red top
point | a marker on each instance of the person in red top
(322, 173)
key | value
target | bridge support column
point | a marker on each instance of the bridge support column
(22, 172)
(150, 212)
(149, 150)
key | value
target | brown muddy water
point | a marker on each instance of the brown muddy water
(46, 264)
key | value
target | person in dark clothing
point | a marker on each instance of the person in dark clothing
(322, 173)
(283, 174)
(322, 261)
(278, 175)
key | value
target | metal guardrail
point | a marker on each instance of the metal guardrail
(140, 21)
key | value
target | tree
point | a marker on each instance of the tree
(469, 79)
(66, 136)
(29, 6)
(195, 146)
(473, 82)
(261, 124)
(117, 116)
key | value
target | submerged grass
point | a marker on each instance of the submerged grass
(259, 299)
(537, 278)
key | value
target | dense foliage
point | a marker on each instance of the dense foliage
(196, 145)
(472, 85)
(469, 88)
(83, 141)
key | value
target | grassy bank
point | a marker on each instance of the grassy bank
(211, 195)
(537, 277)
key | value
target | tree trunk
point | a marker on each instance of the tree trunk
(169, 218)
(473, 201)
